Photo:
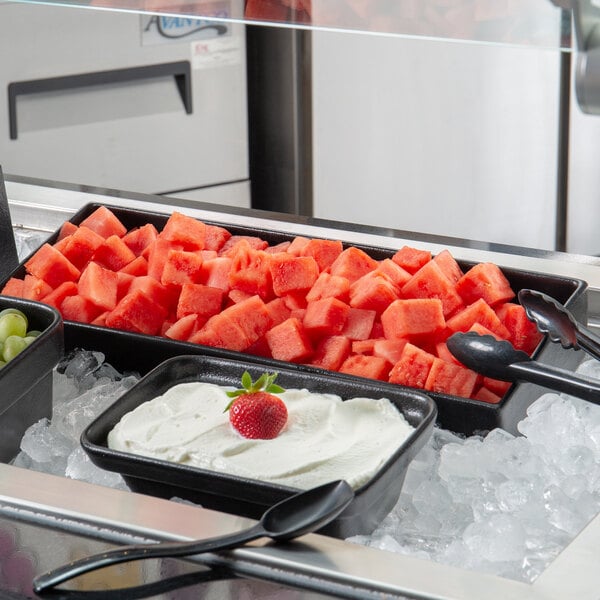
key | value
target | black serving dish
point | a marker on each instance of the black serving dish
(248, 497)
(26, 380)
(141, 353)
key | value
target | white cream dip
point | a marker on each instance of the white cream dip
(324, 438)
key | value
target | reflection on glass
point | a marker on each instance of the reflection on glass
(524, 22)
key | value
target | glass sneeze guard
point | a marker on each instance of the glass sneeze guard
(529, 23)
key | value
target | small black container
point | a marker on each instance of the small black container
(26, 380)
(141, 353)
(248, 497)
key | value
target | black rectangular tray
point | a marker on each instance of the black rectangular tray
(137, 352)
(248, 497)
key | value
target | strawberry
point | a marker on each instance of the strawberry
(254, 411)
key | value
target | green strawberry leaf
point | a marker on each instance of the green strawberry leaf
(266, 383)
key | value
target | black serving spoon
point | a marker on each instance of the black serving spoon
(555, 320)
(499, 359)
(297, 515)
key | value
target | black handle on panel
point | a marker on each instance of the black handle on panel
(9, 258)
(180, 70)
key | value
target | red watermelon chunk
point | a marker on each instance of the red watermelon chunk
(99, 286)
(231, 246)
(50, 265)
(331, 352)
(391, 350)
(181, 267)
(325, 317)
(413, 367)
(66, 229)
(215, 237)
(373, 291)
(113, 254)
(431, 282)
(199, 299)
(221, 332)
(138, 239)
(215, 272)
(372, 367)
(496, 385)
(523, 333)
(394, 271)
(485, 280)
(252, 315)
(250, 271)
(165, 296)
(409, 317)
(137, 267)
(34, 288)
(58, 294)
(138, 313)
(297, 245)
(80, 246)
(484, 394)
(328, 285)
(184, 231)
(364, 346)
(156, 254)
(289, 341)
(450, 378)
(323, 251)
(478, 312)
(78, 308)
(359, 323)
(278, 311)
(104, 222)
(292, 273)
(446, 262)
(13, 287)
(184, 328)
(352, 263)
(411, 259)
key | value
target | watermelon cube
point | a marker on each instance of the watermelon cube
(485, 280)
(104, 222)
(413, 367)
(181, 267)
(59, 293)
(233, 244)
(523, 333)
(292, 273)
(478, 312)
(13, 287)
(184, 232)
(139, 238)
(323, 251)
(250, 271)
(50, 265)
(373, 291)
(446, 262)
(391, 350)
(113, 254)
(66, 229)
(34, 288)
(394, 271)
(331, 352)
(431, 282)
(80, 246)
(297, 245)
(99, 286)
(325, 317)
(289, 341)
(359, 323)
(450, 378)
(184, 328)
(373, 367)
(484, 394)
(411, 259)
(137, 267)
(138, 313)
(215, 272)
(221, 332)
(215, 237)
(278, 311)
(78, 308)
(410, 317)
(201, 300)
(352, 263)
(252, 316)
(328, 285)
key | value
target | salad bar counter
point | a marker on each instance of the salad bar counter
(157, 506)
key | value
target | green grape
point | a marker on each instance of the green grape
(33, 333)
(12, 324)
(2, 363)
(28, 339)
(13, 345)
(14, 311)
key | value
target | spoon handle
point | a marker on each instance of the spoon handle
(141, 551)
(557, 379)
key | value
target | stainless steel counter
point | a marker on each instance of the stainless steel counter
(315, 562)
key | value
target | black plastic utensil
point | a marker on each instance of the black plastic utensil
(555, 320)
(499, 359)
(297, 515)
